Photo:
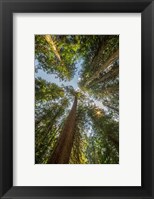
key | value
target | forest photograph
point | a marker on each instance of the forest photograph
(76, 99)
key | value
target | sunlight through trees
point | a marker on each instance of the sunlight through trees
(76, 99)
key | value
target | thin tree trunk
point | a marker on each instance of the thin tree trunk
(111, 107)
(51, 123)
(61, 154)
(53, 46)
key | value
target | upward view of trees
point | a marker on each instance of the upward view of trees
(76, 99)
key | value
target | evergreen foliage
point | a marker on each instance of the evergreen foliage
(77, 125)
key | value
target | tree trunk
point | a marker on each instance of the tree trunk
(114, 141)
(110, 60)
(106, 77)
(61, 154)
(111, 107)
(53, 46)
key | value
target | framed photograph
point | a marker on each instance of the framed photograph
(76, 99)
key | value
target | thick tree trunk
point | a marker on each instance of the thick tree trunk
(62, 151)
(106, 77)
(110, 60)
(114, 141)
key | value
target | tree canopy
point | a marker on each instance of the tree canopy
(77, 99)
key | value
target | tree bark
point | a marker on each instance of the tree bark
(114, 141)
(112, 74)
(110, 60)
(62, 151)
(111, 107)
(53, 46)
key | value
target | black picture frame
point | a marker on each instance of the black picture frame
(7, 8)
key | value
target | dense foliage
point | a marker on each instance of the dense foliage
(77, 125)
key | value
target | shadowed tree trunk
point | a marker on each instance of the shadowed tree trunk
(103, 66)
(63, 148)
(114, 141)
